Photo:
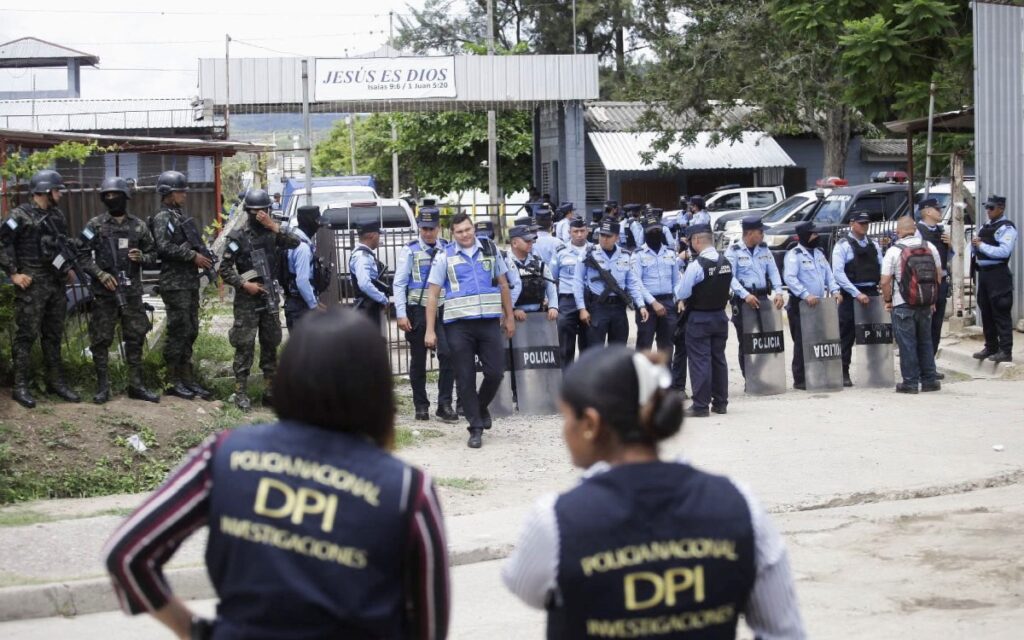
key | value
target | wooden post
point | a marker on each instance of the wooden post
(217, 158)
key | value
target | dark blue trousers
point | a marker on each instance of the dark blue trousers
(657, 329)
(469, 340)
(706, 335)
(608, 323)
(418, 360)
(570, 331)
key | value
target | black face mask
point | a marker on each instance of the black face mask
(116, 203)
(309, 223)
(807, 242)
(654, 239)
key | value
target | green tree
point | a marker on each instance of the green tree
(333, 156)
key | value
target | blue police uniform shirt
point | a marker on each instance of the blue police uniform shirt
(562, 229)
(619, 265)
(641, 236)
(363, 266)
(473, 298)
(701, 217)
(753, 269)
(565, 264)
(808, 273)
(546, 246)
(658, 272)
(694, 274)
(989, 254)
(300, 263)
(404, 272)
(842, 253)
(516, 289)
(439, 270)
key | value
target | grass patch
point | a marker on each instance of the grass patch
(462, 484)
(22, 518)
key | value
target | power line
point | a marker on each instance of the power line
(369, 32)
(234, 14)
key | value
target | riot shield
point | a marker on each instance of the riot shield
(537, 365)
(823, 352)
(872, 362)
(763, 348)
(503, 404)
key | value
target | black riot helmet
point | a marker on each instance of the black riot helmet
(45, 181)
(308, 219)
(116, 184)
(257, 199)
(171, 181)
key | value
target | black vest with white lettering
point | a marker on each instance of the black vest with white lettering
(934, 236)
(657, 549)
(307, 533)
(531, 273)
(987, 234)
(712, 293)
(864, 267)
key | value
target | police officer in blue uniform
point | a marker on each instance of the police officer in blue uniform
(698, 212)
(570, 330)
(602, 307)
(808, 275)
(596, 215)
(857, 267)
(992, 248)
(704, 290)
(641, 544)
(546, 244)
(533, 287)
(301, 285)
(566, 210)
(477, 306)
(484, 229)
(355, 549)
(754, 275)
(370, 292)
(627, 238)
(410, 287)
(638, 227)
(657, 268)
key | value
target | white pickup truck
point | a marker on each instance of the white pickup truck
(727, 200)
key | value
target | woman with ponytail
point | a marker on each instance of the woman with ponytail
(643, 547)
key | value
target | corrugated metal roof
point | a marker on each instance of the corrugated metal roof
(172, 146)
(621, 151)
(29, 52)
(999, 128)
(503, 81)
(102, 115)
(884, 147)
(626, 116)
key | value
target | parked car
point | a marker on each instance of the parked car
(327, 191)
(832, 213)
(795, 208)
(732, 198)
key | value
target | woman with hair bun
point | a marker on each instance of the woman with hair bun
(643, 547)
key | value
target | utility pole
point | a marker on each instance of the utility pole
(308, 153)
(492, 128)
(928, 153)
(227, 84)
(351, 119)
(394, 129)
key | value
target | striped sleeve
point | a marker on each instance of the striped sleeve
(139, 548)
(772, 611)
(427, 560)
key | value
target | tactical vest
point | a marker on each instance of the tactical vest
(175, 274)
(248, 241)
(419, 271)
(864, 266)
(471, 290)
(28, 244)
(987, 234)
(308, 529)
(935, 237)
(110, 244)
(531, 273)
(658, 546)
(713, 292)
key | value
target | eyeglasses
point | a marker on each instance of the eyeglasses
(990, 207)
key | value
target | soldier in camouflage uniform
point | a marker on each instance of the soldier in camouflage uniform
(118, 244)
(179, 285)
(30, 255)
(256, 299)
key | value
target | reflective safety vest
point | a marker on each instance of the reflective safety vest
(308, 525)
(652, 550)
(419, 271)
(471, 290)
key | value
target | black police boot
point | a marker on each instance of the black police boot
(931, 386)
(21, 395)
(102, 395)
(137, 390)
(939, 375)
(177, 387)
(60, 389)
(984, 353)
(800, 385)
(906, 388)
(846, 380)
(242, 400)
(423, 415)
(697, 413)
(476, 438)
(189, 381)
(719, 410)
(446, 414)
(485, 417)
(1002, 356)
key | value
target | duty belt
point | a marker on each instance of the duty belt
(758, 292)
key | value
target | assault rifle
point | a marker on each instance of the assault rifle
(194, 240)
(119, 273)
(261, 271)
(66, 258)
(610, 285)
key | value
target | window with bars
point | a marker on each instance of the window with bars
(596, 182)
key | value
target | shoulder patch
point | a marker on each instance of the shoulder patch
(233, 246)
(12, 223)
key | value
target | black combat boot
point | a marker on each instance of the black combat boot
(22, 396)
(242, 400)
(102, 395)
(138, 391)
(189, 381)
(446, 414)
(59, 388)
(177, 387)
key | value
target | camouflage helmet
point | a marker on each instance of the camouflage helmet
(118, 184)
(171, 181)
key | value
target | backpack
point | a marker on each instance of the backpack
(919, 277)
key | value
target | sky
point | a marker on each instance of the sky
(149, 50)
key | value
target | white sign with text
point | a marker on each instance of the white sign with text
(384, 78)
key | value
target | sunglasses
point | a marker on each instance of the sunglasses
(990, 207)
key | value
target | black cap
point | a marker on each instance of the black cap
(698, 202)
(652, 218)
(928, 203)
(428, 217)
(609, 228)
(485, 227)
(428, 202)
(629, 208)
(805, 228)
(542, 213)
(611, 203)
(698, 228)
(370, 226)
(566, 207)
(752, 223)
(995, 201)
(578, 223)
(860, 216)
(523, 232)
